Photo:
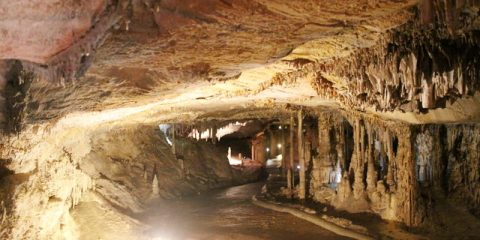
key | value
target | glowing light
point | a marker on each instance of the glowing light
(162, 238)
(338, 173)
(164, 128)
(298, 166)
(222, 131)
(280, 127)
(268, 149)
(279, 145)
(234, 161)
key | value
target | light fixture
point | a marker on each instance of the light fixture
(268, 149)
(280, 127)
(279, 145)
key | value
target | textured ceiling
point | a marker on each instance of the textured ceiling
(159, 57)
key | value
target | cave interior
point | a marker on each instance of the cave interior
(239, 119)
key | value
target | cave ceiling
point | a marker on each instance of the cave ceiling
(149, 61)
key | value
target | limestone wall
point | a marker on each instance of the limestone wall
(47, 171)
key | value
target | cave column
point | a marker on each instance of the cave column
(301, 188)
(391, 160)
(283, 151)
(407, 190)
(253, 150)
(359, 132)
(291, 149)
(214, 134)
(371, 171)
(340, 145)
(324, 166)
(173, 141)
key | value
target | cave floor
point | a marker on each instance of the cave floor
(226, 214)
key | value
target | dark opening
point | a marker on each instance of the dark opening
(395, 145)
(442, 138)
(349, 143)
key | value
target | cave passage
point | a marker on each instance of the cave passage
(334, 160)
(226, 214)
(239, 119)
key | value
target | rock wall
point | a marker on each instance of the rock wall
(46, 171)
(448, 163)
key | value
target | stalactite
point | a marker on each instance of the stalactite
(155, 188)
(145, 175)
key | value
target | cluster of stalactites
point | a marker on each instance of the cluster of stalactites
(454, 15)
(204, 134)
(198, 131)
(414, 72)
(414, 67)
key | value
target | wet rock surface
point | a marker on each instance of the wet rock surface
(227, 214)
